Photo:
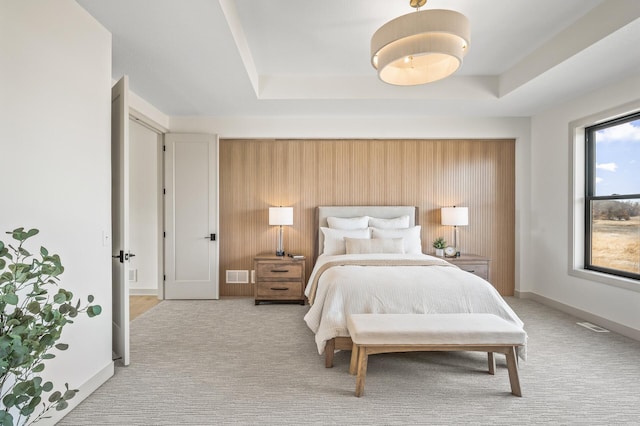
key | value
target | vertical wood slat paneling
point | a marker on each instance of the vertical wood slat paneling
(258, 174)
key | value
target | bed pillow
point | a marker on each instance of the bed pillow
(379, 245)
(411, 236)
(395, 223)
(334, 239)
(360, 222)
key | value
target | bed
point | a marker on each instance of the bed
(369, 260)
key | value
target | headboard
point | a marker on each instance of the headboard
(383, 212)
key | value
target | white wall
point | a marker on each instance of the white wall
(55, 86)
(143, 205)
(550, 242)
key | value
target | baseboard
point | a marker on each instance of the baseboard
(85, 390)
(143, 291)
(584, 315)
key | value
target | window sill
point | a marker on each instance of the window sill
(620, 282)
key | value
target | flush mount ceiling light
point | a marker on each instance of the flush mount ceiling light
(420, 47)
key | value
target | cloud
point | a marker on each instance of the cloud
(610, 167)
(598, 180)
(626, 132)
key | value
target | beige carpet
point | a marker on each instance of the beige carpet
(230, 362)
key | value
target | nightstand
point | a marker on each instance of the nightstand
(477, 265)
(279, 278)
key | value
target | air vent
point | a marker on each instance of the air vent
(237, 277)
(593, 327)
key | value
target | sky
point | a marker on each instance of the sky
(618, 159)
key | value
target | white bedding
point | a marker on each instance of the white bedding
(342, 290)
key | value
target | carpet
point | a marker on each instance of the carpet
(231, 362)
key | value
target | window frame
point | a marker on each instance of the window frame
(577, 197)
(590, 191)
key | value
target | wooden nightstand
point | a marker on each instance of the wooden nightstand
(279, 278)
(478, 265)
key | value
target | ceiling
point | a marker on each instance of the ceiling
(311, 58)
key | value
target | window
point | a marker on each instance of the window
(612, 197)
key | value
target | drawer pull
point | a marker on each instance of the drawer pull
(471, 270)
(279, 270)
(280, 288)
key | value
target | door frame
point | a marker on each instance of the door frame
(160, 130)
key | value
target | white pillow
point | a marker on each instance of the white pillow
(348, 222)
(380, 245)
(334, 239)
(395, 223)
(412, 241)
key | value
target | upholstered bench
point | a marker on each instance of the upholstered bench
(384, 333)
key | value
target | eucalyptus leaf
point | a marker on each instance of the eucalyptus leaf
(55, 397)
(10, 299)
(6, 419)
(69, 394)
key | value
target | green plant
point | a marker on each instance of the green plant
(439, 243)
(33, 312)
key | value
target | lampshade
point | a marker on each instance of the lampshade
(280, 215)
(420, 47)
(455, 216)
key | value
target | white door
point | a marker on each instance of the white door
(191, 216)
(120, 218)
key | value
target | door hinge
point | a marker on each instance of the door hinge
(164, 148)
(164, 278)
(164, 235)
(164, 191)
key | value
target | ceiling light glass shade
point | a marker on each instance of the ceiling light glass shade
(420, 47)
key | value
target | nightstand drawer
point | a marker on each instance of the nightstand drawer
(474, 264)
(280, 290)
(481, 270)
(278, 270)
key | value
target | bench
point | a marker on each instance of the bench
(385, 333)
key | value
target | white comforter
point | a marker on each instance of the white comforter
(347, 289)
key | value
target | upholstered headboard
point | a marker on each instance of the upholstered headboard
(383, 212)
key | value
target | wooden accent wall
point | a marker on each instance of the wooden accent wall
(304, 174)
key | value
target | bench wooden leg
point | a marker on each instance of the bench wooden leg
(353, 366)
(492, 362)
(362, 370)
(512, 366)
(329, 349)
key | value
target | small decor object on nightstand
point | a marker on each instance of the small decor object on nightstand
(450, 251)
(439, 244)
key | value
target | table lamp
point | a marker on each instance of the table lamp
(279, 216)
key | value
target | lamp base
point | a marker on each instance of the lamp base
(280, 247)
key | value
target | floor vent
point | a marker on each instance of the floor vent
(237, 277)
(593, 327)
